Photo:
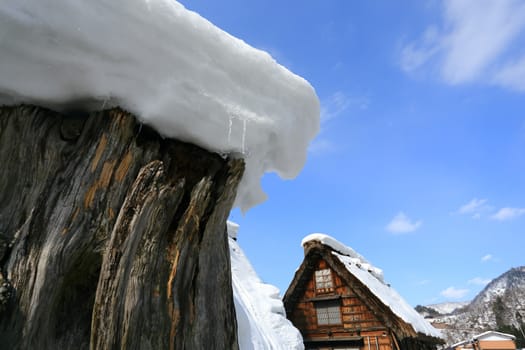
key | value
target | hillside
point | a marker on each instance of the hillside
(499, 306)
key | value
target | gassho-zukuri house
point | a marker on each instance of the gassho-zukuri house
(340, 301)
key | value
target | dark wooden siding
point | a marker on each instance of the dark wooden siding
(357, 320)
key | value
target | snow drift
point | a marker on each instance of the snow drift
(260, 312)
(172, 68)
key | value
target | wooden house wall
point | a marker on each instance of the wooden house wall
(356, 318)
(497, 344)
(490, 345)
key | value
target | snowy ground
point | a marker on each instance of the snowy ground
(172, 68)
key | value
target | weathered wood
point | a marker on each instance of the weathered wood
(111, 237)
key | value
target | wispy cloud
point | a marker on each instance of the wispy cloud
(454, 293)
(479, 281)
(321, 146)
(333, 107)
(402, 224)
(505, 214)
(338, 103)
(416, 54)
(487, 257)
(512, 75)
(473, 43)
(475, 208)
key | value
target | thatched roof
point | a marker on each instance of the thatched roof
(367, 283)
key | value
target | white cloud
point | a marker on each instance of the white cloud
(508, 214)
(402, 224)
(415, 55)
(512, 75)
(480, 32)
(454, 293)
(336, 104)
(474, 208)
(320, 146)
(332, 107)
(479, 281)
(487, 257)
(473, 43)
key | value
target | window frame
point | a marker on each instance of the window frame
(324, 280)
(328, 312)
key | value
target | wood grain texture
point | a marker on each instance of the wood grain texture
(366, 322)
(111, 237)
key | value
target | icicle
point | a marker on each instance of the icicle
(230, 124)
(244, 136)
(104, 103)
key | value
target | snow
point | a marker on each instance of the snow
(345, 250)
(169, 66)
(448, 307)
(487, 336)
(492, 335)
(261, 319)
(367, 274)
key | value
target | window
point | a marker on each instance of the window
(328, 312)
(323, 280)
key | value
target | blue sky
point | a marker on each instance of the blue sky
(420, 161)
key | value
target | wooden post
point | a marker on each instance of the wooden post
(115, 237)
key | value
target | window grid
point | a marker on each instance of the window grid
(323, 279)
(328, 313)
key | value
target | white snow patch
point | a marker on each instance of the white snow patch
(169, 66)
(448, 307)
(233, 229)
(261, 317)
(367, 274)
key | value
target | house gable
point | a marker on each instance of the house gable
(364, 321)
(355, 314)
(359, 324)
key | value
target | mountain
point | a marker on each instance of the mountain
(448, 307)
(499, 306)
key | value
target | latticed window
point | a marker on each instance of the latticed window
(323, 280)
(328, 312)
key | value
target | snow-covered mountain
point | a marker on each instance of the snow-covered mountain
(500, 304)
(448, 307)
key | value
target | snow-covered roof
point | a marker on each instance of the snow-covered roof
(261, 318)
(487, 336)
(345, 250)
(367, 274)
(169, 66)
(493, 335)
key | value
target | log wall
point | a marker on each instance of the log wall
(357, 320)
